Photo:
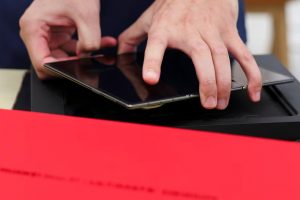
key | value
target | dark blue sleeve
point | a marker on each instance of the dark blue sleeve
(12, 51)
(116, 16)
(241, 21)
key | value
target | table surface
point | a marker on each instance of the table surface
(10, 83)
(79, 158)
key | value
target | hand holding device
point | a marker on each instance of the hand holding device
(47, 28)
(203, 29)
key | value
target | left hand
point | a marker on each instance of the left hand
(206, 31)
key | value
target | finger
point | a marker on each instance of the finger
(133, 36)
(59, 35)
(88, 29)
(106, 42)
(154, 53)
(58, 39)
(70, 47)
(222, 67)
(59, 54)
(202, 59)
(36, 41)
(249, 65)
(63, 29)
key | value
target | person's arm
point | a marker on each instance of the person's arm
(47, 28)
(206, 31)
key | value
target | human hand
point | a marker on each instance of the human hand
(47, 28)
(206, 31)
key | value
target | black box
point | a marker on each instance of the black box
(276, 116)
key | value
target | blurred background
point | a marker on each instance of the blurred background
(273, 26)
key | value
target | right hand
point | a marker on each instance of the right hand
(206, 31)
(47, 28)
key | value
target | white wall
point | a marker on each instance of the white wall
(293, 24)
(260, 34)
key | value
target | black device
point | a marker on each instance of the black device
(276, 116)
(119, 78)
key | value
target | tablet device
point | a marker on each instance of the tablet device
(119, 78)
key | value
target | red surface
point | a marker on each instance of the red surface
(55, 157)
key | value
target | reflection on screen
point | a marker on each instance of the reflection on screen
(121, 76)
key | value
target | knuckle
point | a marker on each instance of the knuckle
(158, 18)
(209, 83)
(25, 25)
(146, 22)
(29, 26)
(156, 37)
(254, 87)
(230, 32)
(189, 21)
(219, 50)
(198, 48)
(246, 56)
(23, 22)
(151, 63)
(224, 88)
(255, 81)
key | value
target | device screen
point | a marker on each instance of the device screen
(119, 78)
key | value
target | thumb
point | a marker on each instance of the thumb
(133, 36)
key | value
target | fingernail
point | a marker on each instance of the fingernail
(210, 102)
(151, 74)
(222, 104)
(257, 96)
